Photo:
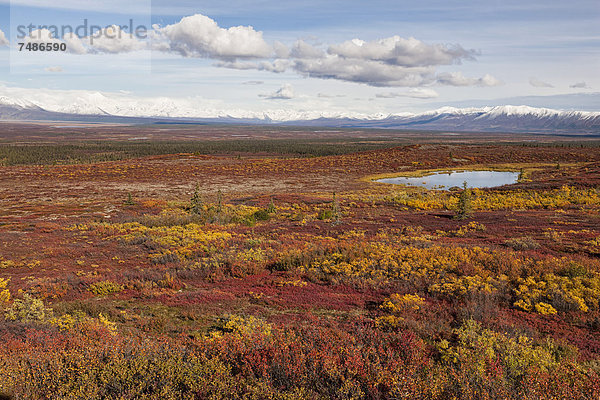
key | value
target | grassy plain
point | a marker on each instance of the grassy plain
(291, 274)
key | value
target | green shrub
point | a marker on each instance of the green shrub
(261, 215)
(573, 270)
(522, 243)
(519, 357)
(325, 214)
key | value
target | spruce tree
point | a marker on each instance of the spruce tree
(464, 207)
(196, 206)
(335, 209)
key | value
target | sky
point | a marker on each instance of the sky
(334, 57)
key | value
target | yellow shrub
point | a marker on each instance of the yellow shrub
(104, 288)
(65, 322)
(492, 200)
(544, 308)
(242, 326)
(472, 226)
(28, 309)
(397, 303)
(111, 326)
(577, 293)
(456, 287)
(295, 283)
(388, 321)
(4, 292)
(477, 346)
(7, 264)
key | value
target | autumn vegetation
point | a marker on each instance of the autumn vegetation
(233, 272)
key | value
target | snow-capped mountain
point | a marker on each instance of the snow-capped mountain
(485, 119)
(97, 106)
(500, 118)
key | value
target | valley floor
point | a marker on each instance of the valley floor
(270, 275)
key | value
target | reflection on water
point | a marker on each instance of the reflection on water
(447, 179)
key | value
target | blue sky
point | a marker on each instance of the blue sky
(290, 55)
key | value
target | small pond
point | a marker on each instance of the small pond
(444, 180)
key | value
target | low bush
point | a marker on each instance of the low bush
(104, 288)
(522, 243)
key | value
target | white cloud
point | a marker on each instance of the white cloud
(540, 84)
(403, 52)
(276, 66)
(74, 44)
(253, 83)
(285, 92)
(372, 73)
(113, 39)
(54, 69)
(458, 79)
(579, 85)
(3, 40)
(280, 50)
(200, 36)
(416, 93)
(488, 80)
(303, 50)
(41, 36)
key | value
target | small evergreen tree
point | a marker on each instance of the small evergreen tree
(129, 201)
(271, 207)
(464, 207)
(196, 203)
(335, 208)
(219, 201)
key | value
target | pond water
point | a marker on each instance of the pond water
(446, 179)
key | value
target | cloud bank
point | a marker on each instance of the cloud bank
(388, 62)
(402, 52)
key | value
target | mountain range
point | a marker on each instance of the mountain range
(505, 118)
